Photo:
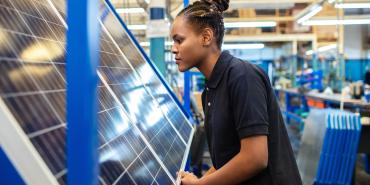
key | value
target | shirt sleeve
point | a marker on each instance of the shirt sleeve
(248, 96)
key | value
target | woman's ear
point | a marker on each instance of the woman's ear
(207, 37)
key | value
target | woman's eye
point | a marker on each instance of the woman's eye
(178, 41)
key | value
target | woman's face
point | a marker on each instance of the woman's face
(188, 45)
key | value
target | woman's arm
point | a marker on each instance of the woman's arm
(252, 159)
(210, 171)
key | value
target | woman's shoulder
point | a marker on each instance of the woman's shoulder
(242, 71)
(241, 67)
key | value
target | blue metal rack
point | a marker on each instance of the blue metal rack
(314, 79)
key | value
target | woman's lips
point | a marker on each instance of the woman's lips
(178, 60)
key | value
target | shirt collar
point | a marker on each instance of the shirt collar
(217, 72)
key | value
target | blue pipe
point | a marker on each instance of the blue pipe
(187, 81)
(82, 81)
(157, 48)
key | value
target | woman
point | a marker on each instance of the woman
(246, 135)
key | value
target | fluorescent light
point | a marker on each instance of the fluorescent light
(336, 22)
(309, 15)
(130, 10)
(243, 46)
(309, 52)
(331, 1)
(250, 24)
(326, 48)
(322, 49)
(147, 44)
(352, 5)
(144, 44)
(137, 27)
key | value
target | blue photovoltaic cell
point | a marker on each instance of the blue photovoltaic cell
(143, 133)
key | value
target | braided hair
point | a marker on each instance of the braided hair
(207, 14)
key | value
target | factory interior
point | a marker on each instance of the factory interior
(91, 92)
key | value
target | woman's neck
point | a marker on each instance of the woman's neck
(207, 65)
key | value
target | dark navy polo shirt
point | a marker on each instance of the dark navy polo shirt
(239, 102)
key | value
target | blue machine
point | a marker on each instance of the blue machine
(314, 79)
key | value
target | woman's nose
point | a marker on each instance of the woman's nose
(174, 49)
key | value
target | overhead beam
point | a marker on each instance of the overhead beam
(347, 20)
(290, 18)
(266, 4)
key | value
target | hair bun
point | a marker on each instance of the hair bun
(221, 5)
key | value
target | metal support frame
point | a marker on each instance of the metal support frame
(294, 62)
(82, 81)
(315, 64)
(28, 163)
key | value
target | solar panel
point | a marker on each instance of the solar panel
(144, 136)
(311, 145)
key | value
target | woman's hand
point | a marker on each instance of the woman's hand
(188, 178)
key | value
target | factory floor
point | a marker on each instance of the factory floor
(362, 178)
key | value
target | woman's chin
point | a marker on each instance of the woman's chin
(182, 68)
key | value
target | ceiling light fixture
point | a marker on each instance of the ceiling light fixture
(312, 13)
(336, 22)
(147, 44)
(352, 5)
(322, 49)
(137, 27)
(130, 10)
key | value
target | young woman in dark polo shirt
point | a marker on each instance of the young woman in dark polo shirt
(247, 138)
